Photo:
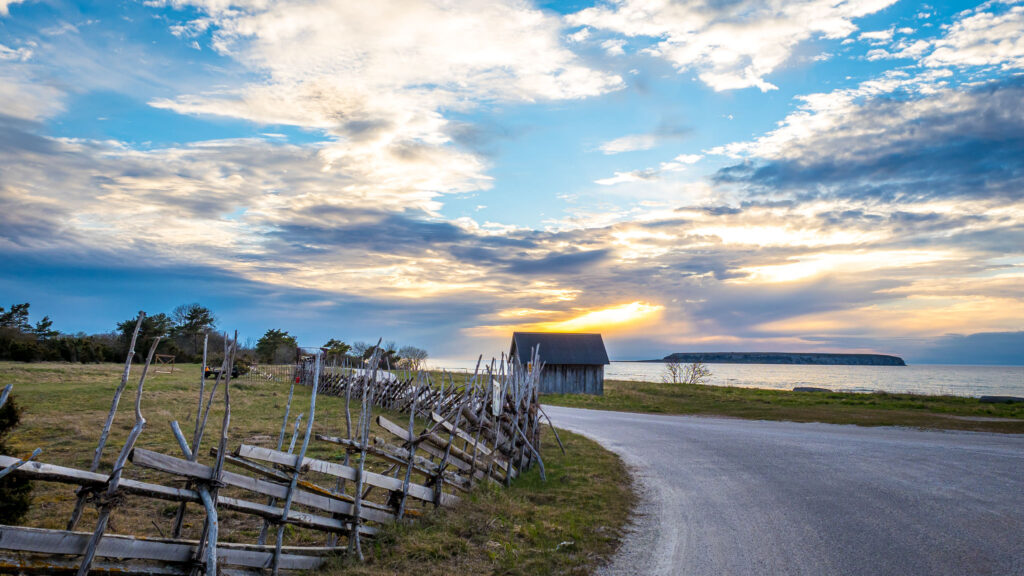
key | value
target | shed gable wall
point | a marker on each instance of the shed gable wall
(572, 379)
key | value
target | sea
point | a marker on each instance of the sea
(932, 379)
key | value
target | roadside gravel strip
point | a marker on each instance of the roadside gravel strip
(726, 496)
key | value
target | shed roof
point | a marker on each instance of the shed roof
(560, 348)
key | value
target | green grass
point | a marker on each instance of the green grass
(493, 531)
(877, 409)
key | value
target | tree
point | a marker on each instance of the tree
(153, 327)
(43, 330)
(359, 348)
(336, 349)
(413, 358)
(389, 357)
(193, 320)
(16, 318)
(676, 373)
(276, 346)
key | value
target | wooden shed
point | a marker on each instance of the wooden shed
(573, 363)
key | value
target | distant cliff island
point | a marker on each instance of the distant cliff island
(783, 358)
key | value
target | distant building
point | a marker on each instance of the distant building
(573, 363)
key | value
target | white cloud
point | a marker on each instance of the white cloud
(630, 143)
(18, 54)
(378, 78)
(580, 35)
(441, 53)
(878, 36)
(983, 39)
(834, 126)
(614, 46)
(5, 5)
(733, 45)
(677, 164)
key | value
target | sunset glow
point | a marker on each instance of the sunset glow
(606, 319)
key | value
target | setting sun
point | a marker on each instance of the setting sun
(603, 319)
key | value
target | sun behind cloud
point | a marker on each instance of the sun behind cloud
(613, 317)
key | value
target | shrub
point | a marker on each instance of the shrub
(15, 491)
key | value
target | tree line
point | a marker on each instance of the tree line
(181, 334)
(278, 347)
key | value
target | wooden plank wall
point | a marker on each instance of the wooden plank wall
(572, 379)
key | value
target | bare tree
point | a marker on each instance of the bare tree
(678, 373)
(359, 348)
(413, 357)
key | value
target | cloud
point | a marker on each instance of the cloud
(664, 132)
(731, 45)
(877, 36)
(5, 6)
(983, 39)
(946, 143)
(981, 348)
(677, 164)
(19, 54)
(630, 143)
(888, 208)
(335, 60)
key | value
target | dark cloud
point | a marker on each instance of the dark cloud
(559, 263)
(982, 348)
(387, 232)
(964, 144)
(19, 136)
(738, 309)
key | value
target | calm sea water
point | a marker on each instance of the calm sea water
(918, 379)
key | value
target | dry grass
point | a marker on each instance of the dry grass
(567, 525)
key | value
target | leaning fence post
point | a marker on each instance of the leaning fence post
(208, 540)
(193, 452)
(412, 451)
(76, 514)
(110, 494)
(354, 543)
(298, 466)
(262, 538)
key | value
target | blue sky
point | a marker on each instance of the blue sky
(800, 175)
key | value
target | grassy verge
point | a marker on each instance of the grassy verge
(517, 531)
(878, 409)
(566, 525)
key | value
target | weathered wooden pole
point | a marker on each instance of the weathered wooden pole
(76, 513)
(179, 518)
(109, 501)
(298, 466)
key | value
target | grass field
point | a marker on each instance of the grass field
(878, 409)
(582, 506)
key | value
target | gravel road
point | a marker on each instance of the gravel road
(724, 496)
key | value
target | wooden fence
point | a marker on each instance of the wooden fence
(485, 429)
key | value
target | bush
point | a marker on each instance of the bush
(676, 373)
(15, 491)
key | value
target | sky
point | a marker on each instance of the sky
(722, 175)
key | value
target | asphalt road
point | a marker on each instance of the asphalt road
(724, 496)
